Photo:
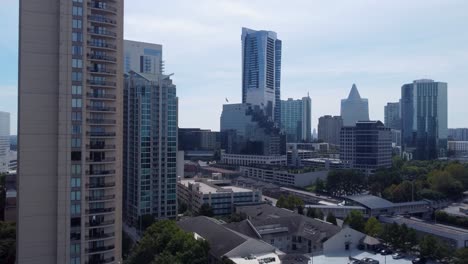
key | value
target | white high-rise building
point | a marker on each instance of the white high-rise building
(142, 57)
(4, 141)
(354, 108)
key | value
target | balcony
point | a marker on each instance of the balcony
(100, 108)
(100, 236)
(102, 20)
(102, 6)
(101, 71)
(100, 160)
(100, 147)
(101, 134)
(99, 249)
(101, 45)
(100, 224)
(101, 96)
(105, 58)
(102, 33)
(101, 121)
(100, 210)
(101, 261)
(100, 173)
(100, 198)
(100, 185)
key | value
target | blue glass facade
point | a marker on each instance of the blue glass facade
(261, 71)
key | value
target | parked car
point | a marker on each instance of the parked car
(369, 261)
(419, 260)
(386, 252)
(398, 256)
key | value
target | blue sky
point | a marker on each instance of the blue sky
(327, 46)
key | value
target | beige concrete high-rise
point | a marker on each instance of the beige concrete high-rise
(70, 131)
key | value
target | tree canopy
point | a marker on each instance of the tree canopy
(355, 220)
(345, 182)
(290, 202)
(7, 242)
(164, 242)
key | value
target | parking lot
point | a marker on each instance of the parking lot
(344, 258)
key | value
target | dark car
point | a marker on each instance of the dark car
(419, 261)
(369, 261)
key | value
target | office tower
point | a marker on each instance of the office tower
(329, 129)
(458, 134)
(392, 115)
(150, 147)
(4, 141)
(70, 132)
(143, 57)
(246, 130)
(296, 119)
(354, 108)
(198, 139)
(366, 146)
(261, 71)
(424, 119)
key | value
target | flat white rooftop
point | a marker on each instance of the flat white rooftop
(255, 259)
(343, 258)
(208, 188)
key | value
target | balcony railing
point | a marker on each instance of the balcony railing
(101, 121)
(101, 134)
(100, 172)
(100, 198)
(101, 108)
(104, 71)
(99, 249)
(102, 6)
(106, 33)
(98, 224)
(100, 44)
(101, 19)
(103, 58)
(101, 261)
(101, 96)
(96, 160)
(100, 236)
(100, 146)
(100, 185)
(100, 210)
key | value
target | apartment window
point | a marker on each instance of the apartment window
(76, 182)
(75, 260)
(78, 1)
(76, 129)
(75, 249)
(77, 23)
(76, 155)
(77, 37)
(76, 116)
(77, 76)
(75, 209)
(76, 89)
(77, 11)
(75, 196)
(77, 50)
(76, 102)
(76, 170)
(77, 63)
(76, 143)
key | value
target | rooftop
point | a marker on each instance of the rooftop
(370, 201)
(208, 186)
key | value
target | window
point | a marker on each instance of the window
(77, 37)
(76, 129)
(76, 155)
(75, 196)
(77, 63)
(75, 182)
(75, 260)
(76, 142)
(76, 89)
(76, 170)
(75, 209)
(76, 23)
(77, 76)
(77, 50)
(75, 249)
(76, 116)
(76, 103)
(77, 11)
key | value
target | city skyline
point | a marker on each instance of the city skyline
(319, 56)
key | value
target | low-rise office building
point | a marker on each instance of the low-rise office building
(325, 163)
(299, 177)
(220, 194)
(246, 160)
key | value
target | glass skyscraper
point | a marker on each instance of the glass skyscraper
(261, 71)
(296, 119)
(392, 115)
(424, 119)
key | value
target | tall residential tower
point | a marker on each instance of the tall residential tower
(424, 119)
(392, 115)
(70, 132)
(296, 119)
(4, 141)
(261, 71)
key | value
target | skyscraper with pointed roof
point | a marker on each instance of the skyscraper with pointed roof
(354, 108)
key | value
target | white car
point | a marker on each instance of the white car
(398, 256)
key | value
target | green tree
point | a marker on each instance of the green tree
(145, 221)
(311, 212)
(206, 210)
(331, 219)
(428, 246)
(290, 202)
(459, 173)
(443, 182)
(7, 242)
(461, 256)
(164, 242)
(355, 220)
(345, 182)
(320, 185)
(373, 227)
